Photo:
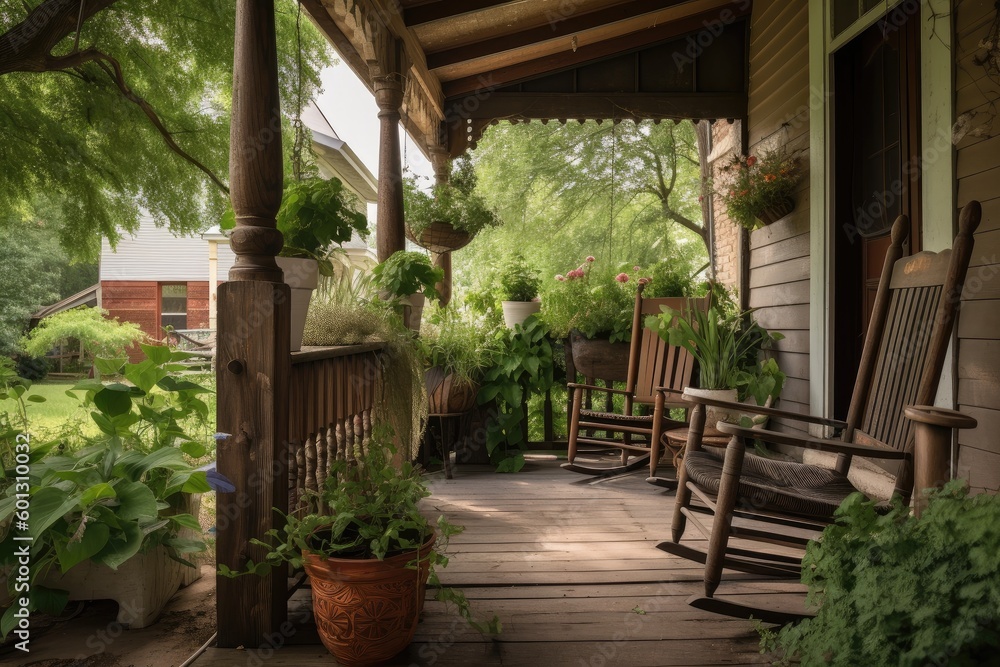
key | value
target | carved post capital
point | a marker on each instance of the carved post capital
(441, 162)
(388, 93)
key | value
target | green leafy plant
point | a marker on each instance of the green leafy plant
(524, 366)
(751, 184)
(99, 335)
(368, 509)
(316, 215)
(666, 280)
(726, 344)
(122, 494)
(518, 281)
(405, 273)
(597, 302)
(893, 589)
(457, 346)
(454, 202)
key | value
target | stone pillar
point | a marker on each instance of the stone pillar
(252, 356)
(442, 170)
(389, 224)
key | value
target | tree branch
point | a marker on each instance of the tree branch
(113, 69)
(27, 46)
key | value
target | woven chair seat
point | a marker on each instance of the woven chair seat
(783, 486)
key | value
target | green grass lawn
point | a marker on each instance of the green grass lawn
(51, 416)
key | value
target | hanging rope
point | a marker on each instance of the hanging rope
(614, 156)
(298, 143)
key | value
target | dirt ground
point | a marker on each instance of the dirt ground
(93, 638)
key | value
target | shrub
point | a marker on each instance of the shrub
(665, 280)
(518, 281)
(897, 590)
(100, 336)
(32, 368)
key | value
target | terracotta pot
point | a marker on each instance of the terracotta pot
(440, 237)
(367, 610)
(302, 275)
(599, 358)
(516, 312)
(445, 396)
(774, 213)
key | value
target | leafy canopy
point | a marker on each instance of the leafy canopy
(99, 335)
(72, 132)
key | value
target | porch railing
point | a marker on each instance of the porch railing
(332, 391)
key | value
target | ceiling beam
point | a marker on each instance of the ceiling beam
(565, 27)
(437, 11)
(488, 80)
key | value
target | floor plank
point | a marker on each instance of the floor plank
(570, 566)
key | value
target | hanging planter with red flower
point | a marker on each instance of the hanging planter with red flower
(759, 189)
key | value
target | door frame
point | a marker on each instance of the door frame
(937, 187)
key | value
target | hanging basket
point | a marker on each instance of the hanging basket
(440, 237)
(774, 213)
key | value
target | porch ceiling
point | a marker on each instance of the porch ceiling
(472, 62)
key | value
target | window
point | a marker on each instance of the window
(173, 306)
(846, 12)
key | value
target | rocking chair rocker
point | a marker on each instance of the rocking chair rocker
(908, 336)
(652, 364)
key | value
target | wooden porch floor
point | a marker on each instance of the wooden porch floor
(571, 568)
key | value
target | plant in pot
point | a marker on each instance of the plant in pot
(407, 279)
(114, 518)
(726, 344)
(458, 353)
(369, 552)
(316, 215)
(451, 215)
(759, 189)
(592, 306)
(519, 286)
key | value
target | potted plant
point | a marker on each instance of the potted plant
(316, 215)
(759, 189)
(369, 552)
(592, 307)
(116, 517)
(458, 353)
(451, 215)
(726, 344)
(519, 285)
(407, 278)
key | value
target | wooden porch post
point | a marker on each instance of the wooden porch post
(442, 168)
(252, 357)
(388, 84)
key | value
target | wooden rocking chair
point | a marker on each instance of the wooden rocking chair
(905, 347)
(652, 364)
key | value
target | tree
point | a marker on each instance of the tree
(29, 280)
(626, 193)
(99, 335)
(115, 107)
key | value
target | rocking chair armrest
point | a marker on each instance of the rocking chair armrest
(808, 442)
(763, 410)
(943, 417)
(607, 390)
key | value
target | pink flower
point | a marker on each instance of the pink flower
(751, 161)
(636, 268)
(591, 258)
(622, 277)
(561, 278)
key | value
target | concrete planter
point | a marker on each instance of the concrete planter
(302, 275)
(516, 312)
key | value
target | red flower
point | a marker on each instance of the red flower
(751, 161)
(770, 178)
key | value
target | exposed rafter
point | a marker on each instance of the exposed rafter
(564, 60)
(565, 27)
(437, 11)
